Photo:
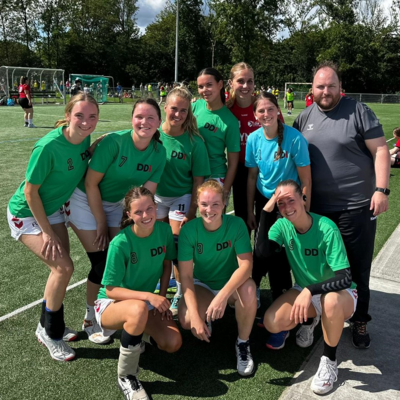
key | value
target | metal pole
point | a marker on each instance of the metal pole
(176, 40)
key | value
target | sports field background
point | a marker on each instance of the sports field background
(197, 371)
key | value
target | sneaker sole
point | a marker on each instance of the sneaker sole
(278, 348)
(363, 347)
(55, 358)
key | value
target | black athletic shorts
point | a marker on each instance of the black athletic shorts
(24, 103)
(290, 102)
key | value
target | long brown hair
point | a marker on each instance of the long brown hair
(218, 78)
(80, 96)
(134, 194)
(270, 97)
(235, 69)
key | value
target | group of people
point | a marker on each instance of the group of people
(159, 174)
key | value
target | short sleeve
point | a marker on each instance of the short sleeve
(242, 242)
(250, 158)
(105, 153)
(171, 248)
(185, 245)
(369, 125)
(115, 266)
(232, 135)
(39, 166)
(336, 255)
(397, 144)
(200, 159)
(299, 151)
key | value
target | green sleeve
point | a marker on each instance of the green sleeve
(105, 153)
(171, 248)
(336, 255)
(232, 136)
(115, 266)
(185, 247)
(39, 166)
(242, 242)
(275, 233)
(200, 163)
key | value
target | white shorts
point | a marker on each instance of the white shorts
(316, 299)
(78, 212)
(29, 226)
(221, 181)
(100, 305)
(200, 283)
(175, 208)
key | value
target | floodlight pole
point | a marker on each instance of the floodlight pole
(176, 40)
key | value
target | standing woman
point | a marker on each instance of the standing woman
(219, 128)
(128, 158)
(138, 257)
(274, 153)
(215, 263)
(25, 101)
(240, 103)
(309, 98)
(36, 216)
(187, 165)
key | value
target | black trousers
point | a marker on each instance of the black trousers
(358, 228)
(240, 193)
(277, 266)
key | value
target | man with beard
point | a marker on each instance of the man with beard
(350, 166)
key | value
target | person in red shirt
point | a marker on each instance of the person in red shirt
(395, 152)
(309, 98)
(25, 101)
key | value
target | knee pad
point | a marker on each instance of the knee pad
(98, 265)
(175, 261)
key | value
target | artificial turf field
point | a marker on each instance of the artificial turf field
(197, 371)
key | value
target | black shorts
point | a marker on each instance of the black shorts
(396, 161)
(290, 102)
(24, 103)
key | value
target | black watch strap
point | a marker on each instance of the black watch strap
(383, 190)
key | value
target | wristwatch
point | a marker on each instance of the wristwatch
(383, 190)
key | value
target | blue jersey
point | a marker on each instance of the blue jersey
(261, 152)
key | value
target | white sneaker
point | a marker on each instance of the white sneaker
(245, 363)
(142, 347)
(94, 332)
(174, 304)
(31, 126)
(58, 349)
(325, 377)
(69, 334)
(305, 335)
(132, 388)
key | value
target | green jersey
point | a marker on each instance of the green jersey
(220, 130)
(214, 253)
(289, 96)
(124, 166)
(137, 263)
(186, 157)
(58, 166)
(314, 255)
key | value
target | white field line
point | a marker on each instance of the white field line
(27, 307)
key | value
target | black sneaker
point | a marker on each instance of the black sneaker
(132, 388)
(361, 339)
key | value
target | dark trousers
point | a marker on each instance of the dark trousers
(240, 193)
(358, 228)
(277, 266)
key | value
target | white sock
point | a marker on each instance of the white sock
(26, 121)
(128, 361)
(30, 121)
(178, 289)
(90, 315)
(241, 341)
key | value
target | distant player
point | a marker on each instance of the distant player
(76, 87)
(309, 98)
(36, 212)
(163, 94)
(289, 100)
(395, 152)
(25, 101)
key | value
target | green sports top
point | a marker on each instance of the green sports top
(186, 157)
(137, 263)
(289, 96)
(124, 166)
(314, 255)
(58, 166)
(220, 130)
(214, 253)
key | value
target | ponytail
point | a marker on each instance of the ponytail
(280, 140)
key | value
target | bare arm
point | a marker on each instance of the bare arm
(305, 179)
(152, 186)
(380, 153)
(394, 151)
(52, 247)
(233, 160)
(251, 191)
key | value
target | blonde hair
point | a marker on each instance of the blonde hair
(234, 70)
(23, 79)
(213, 185)
(80, 96)
(134, 194)
(190, 124)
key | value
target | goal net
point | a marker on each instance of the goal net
(300, 91)
(47, 85)
(96, 85)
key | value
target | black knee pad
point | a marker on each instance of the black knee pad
(175, 261)
(98, 264)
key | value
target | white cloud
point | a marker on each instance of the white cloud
(148, 9)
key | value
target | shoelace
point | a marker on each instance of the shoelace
(361, 329)
(327, 371)
(134, 383)
(243, 352)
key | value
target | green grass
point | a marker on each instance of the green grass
(197, 371)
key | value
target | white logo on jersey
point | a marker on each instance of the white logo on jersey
(310, 127)
(250, 124)
(243, 137)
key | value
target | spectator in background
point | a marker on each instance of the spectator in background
(309, 98)
(394, 153)
(25, 101)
